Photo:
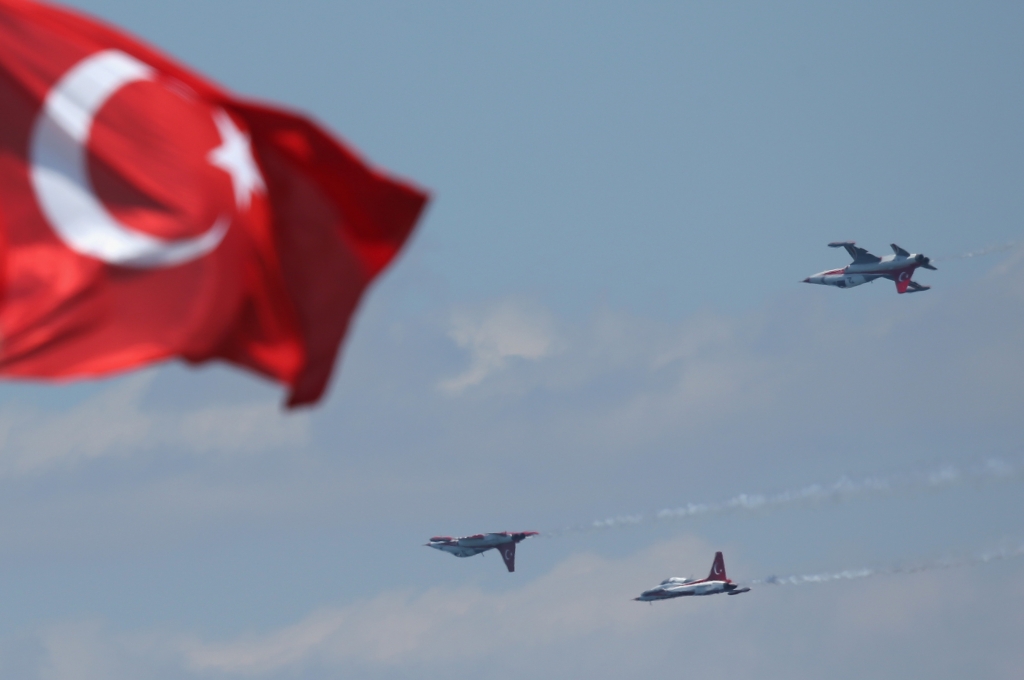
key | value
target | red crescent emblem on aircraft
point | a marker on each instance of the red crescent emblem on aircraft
(904, 276)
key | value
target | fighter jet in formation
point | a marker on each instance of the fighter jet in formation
(865, 267)
(716, 582)
(467, 546)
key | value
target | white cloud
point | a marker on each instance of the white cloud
(81, 650)
(507, 330)
(580, 617)
(584, 596)
(113, 423)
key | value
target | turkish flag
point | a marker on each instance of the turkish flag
(147, 213)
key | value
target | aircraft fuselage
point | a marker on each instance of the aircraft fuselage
(467, 546)
(891, 267)
(677, 588)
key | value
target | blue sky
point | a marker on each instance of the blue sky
(600, 317)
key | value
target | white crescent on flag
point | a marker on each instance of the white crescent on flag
(60, 175)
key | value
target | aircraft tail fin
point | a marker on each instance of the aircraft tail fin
(899, 251)
(718, 569)
(508, 553)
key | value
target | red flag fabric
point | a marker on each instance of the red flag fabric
(146, 213)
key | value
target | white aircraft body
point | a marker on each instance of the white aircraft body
(467, 546)
(898, 267)
(716, 582)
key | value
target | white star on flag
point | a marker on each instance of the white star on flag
(234, 156)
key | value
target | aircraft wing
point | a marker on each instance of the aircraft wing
(859, 255)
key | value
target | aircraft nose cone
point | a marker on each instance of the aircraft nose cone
(807, 280)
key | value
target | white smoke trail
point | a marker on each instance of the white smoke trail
(844, 489)
(850, 574)
(979, 253)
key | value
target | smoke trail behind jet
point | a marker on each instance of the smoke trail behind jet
(979, 253)
(852, 574)
(842, 490)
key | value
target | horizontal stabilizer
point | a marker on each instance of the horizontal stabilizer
(740, 591)
(915, 287)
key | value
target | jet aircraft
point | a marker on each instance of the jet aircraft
(716, 582)
(467, 546)
(865, 267)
